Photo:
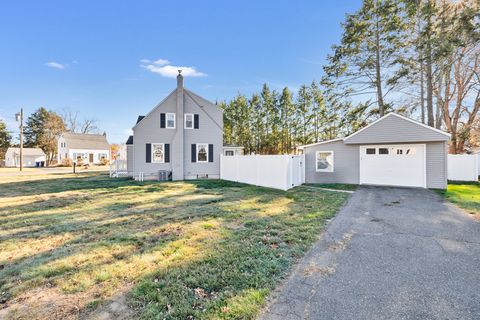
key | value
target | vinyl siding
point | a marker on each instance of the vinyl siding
(393, 129)
(437, 165)
(130, 159)
(210, 131)
(148, 131)
(346, 163)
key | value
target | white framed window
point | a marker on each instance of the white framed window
(188, 120)
(324, 161)
(170, 120)
(229, 153)
(158, 154)
(411, 151)
(202, 152)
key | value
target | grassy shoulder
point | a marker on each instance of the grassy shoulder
(466, 195)
(335, 186)
(197, 249)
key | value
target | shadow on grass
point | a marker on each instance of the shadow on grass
(198, 248)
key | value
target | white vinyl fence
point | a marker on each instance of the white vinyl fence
(273, 171)
(463, 167)
(118, 168)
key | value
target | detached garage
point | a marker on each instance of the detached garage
(392, 151)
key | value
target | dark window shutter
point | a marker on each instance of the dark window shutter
(194, 153)
(210, 153)
(162, 120)
(195, 121)
(167, 152)
(148, 154)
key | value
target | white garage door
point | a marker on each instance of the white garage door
(393, 165)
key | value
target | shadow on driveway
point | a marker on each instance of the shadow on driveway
(391, 253)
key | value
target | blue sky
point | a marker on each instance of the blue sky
(111, 60)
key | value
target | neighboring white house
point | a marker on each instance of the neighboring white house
(32, 157)
(92, 148)
(478, 160)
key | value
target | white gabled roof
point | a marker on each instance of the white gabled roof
(26, 151)
(391, 114)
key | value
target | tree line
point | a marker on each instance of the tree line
(420, 58)
(42, 129)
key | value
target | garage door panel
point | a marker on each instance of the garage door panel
(395, 165)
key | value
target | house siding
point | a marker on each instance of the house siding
(346, 163)
(148, 131)
(437, 165)
(393, 129)
(210, 131)
(130, 156)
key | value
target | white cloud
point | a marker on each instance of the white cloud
(55, 65)
(161, 62)
(128, 132)
(165, 69)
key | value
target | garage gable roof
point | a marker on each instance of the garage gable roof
(391, 128)
(394, 128)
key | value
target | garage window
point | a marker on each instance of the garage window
(371, 150)
(382, 150)
(324, 161)
(411, 151)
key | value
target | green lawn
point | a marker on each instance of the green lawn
(336, 186)
(465, 195)
(174, 250)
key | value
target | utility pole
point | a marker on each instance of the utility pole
(19, 117)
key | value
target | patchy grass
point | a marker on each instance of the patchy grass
(335, 186)
(177, 250)
(466, 195)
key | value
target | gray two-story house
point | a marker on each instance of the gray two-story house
(181, 137)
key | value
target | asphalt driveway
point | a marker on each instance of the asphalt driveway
(391, 253)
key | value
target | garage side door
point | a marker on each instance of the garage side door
(393, 165)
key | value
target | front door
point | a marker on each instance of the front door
(90, 157)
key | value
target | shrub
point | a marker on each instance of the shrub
(67, 162)
(104, 161)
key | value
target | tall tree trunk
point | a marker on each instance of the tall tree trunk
(429, 75)
(378, 79)
(438, 116)
(422, 93)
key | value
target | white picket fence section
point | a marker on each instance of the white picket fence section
(273, 171)
(118, 168)
(463, 167)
